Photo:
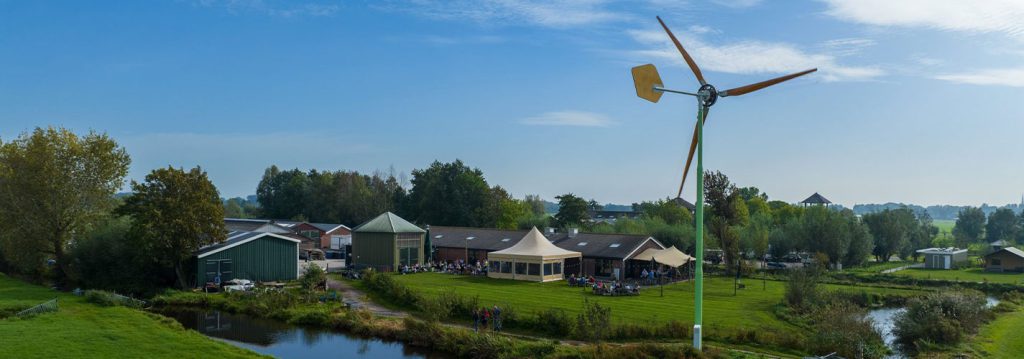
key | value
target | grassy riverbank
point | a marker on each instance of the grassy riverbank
(84, 330)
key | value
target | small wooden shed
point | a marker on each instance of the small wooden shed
(1008, 259)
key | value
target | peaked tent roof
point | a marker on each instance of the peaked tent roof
(816, 199)
(535, 245)
(388, 223)
(669, 256)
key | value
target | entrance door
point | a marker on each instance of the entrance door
(947, 260)
(218, 267)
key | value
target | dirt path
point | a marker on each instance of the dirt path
(356, 299)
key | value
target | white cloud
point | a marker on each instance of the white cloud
(994, 16)
(847, 46)
(751, 57)
(568, 118)
(1003, 77)
(558, 14)
(272, 8)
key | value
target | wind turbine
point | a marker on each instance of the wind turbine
(649, 87)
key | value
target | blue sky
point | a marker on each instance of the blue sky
(915, 101)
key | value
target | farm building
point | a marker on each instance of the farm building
(532, 258)
(1000, 244)
(257, 256)
(1008, 259)
(943, 258)
(386, 243)
(603, 255)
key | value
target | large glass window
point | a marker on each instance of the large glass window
(547, 268)
(520, 268)
(558, 268)
(534, 269)
(495, 267)
(506, 267)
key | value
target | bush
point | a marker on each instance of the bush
(385, 285)
(313, 277)
(593, 323)
(108, 299)
(555, 321)
(802, 289)
(844, 328)
(941, 317)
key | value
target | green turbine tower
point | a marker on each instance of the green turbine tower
(649, 87)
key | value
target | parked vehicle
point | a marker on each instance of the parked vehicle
(238, 285)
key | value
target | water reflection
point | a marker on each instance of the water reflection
(884, 320)
(283, 340)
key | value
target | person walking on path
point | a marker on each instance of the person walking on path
(476, 321)
(497, 318)
(484, 315)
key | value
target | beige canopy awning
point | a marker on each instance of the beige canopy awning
(534, 246)
(669, 256)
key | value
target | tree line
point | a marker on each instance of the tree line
(974, 228)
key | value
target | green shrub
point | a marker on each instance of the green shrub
(802, 291)
(555, 321)
(593, 323)
(313, 277)
(941, 317)
(844, 328)
(108, 299)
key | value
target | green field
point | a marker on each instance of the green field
(751, 308)
(84, 330)
(963, 275)
(945, 227)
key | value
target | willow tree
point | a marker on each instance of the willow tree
(174, 213)
(54, 185)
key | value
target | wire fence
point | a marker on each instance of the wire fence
(46, 307)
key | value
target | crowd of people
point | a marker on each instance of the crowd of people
(484, 318)
(452, 267)
(615, 287)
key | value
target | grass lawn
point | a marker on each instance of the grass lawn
(751, 308)
(963, 275)
(81, 329)
(1003, 337)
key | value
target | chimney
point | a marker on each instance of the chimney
(573, 232)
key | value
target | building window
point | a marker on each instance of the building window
(495, 267)
(520, 268)
(558, 268)
(534, 269)
(547, 268)
(603, 267)
(506, 267)
(311, 234)
(996, 262)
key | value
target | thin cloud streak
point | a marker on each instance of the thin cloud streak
(1013, 77)
(555, 14)
(568, 118)
(993, 16)
(752, 57)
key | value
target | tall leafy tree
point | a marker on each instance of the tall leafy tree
(54, 184)
(1003, 224)
(452, 194)
(572, 210)
(969, 227)
(174, 213)
(891, 230)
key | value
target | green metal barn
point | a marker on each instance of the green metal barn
(256, 256)
(387, 242)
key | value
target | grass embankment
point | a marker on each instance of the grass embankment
(1004, 336)
(976, 275)
(878, 267)
(85, 330)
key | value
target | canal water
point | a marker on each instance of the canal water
(884, 320)
(283, 340)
